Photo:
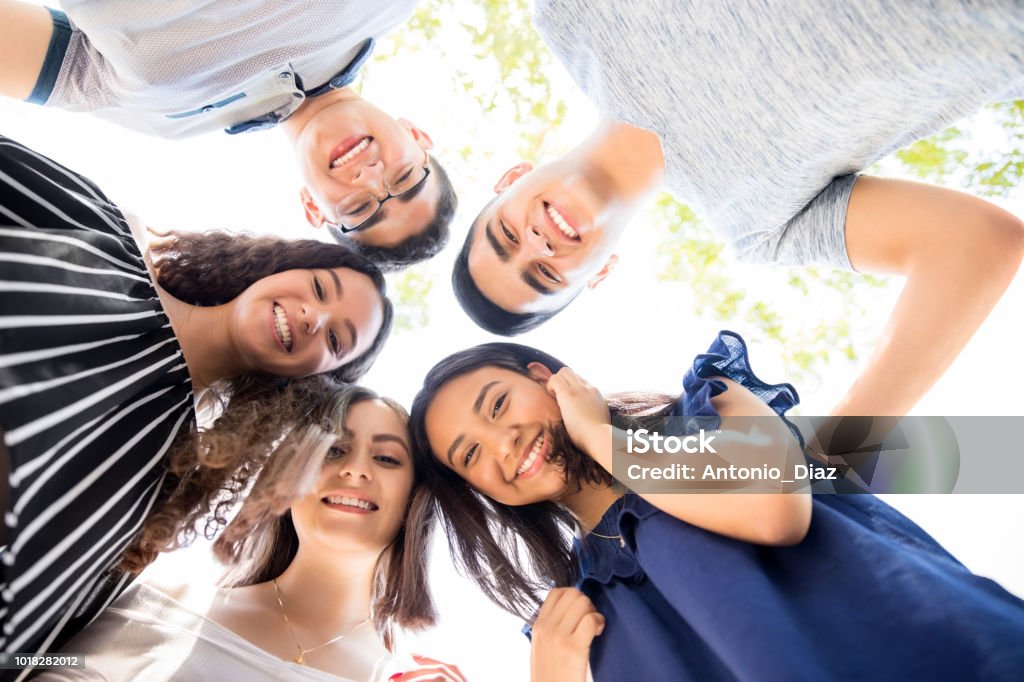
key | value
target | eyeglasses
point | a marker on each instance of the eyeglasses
(356, 210)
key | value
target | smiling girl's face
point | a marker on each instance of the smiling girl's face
(302, 322)
(362, 494)
(492, 426)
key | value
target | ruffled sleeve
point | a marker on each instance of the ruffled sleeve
(727, 357)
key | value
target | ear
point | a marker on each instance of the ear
(421, 137)
(313, 215)
(613, 260)
(539, 372)
(511, 175)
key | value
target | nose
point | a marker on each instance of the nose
(313, 319)
(538, 242)
(356, 466)
(370, 176)
(506, 443)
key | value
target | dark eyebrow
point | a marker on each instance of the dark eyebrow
(389, 438)
(337, 282)
(377, 217)
(535, 284)
(352, 330)
(480, 398)
(411, 194)
(498, 247)
(453, 448)
(477, 404)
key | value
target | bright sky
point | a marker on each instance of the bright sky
(633, 332)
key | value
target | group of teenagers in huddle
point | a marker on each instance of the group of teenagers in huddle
(159, 385)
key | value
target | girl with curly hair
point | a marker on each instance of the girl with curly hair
(100, 361)
(517, 450)
(327, 554)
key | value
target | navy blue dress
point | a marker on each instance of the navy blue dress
(867, 595)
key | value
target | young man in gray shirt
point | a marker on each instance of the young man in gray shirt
(760, 114)
(184, 68)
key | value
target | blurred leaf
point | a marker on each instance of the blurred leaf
(409, 291)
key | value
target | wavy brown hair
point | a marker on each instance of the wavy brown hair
(212, 268)
(274, 441)
(261, 542)
(209, 469)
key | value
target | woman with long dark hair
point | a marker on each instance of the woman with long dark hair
(517, 450)
(101, 357)
(327, 554)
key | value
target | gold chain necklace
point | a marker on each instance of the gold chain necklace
(301, 657)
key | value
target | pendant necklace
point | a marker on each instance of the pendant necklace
(300, 658)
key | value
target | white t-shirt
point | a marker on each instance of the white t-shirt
(146, 636)
(182, 67)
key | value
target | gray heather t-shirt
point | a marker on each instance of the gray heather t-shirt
(180, 67)
(765, 108)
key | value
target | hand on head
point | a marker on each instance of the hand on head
(584, 412)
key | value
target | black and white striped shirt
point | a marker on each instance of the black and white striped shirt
(93, 391)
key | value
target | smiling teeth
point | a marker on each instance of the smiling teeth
(350, 154)
(281, 324)
(561, 224)
(351, 502)
(532, 457)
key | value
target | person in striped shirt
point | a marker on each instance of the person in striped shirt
(102, 356)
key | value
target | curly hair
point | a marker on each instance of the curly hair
(208, 269)
(272, 444)
(213, 268)
(418, 247)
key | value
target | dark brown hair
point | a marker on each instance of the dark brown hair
(487, 314)
(513, 553)
(212, 268)
(209, 470)
(418, 247)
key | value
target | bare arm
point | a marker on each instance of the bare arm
(762, 518)
(959, 254)
(24, 37)
(774, 518)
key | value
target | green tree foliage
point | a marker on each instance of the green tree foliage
(409, 292)
(495, 66)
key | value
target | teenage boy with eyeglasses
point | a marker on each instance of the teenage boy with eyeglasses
(184, 68)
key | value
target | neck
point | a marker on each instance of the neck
(206, 343)
(630, 158)
(590, 503)
(311, 106)
(329, 593)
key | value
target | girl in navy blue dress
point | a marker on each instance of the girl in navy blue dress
(516, 449)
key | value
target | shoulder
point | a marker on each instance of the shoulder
(738, 401)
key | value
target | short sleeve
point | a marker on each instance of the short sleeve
(727, 357)
(83, 80)
(814, 236)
